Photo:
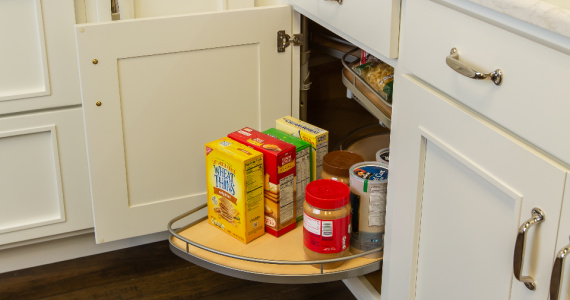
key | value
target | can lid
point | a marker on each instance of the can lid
(327, 194)
(369, 171)
(338, 163)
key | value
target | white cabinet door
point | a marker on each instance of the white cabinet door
(166, 86)
(38, 63)
(459, 190)
(562, 243)
(44, 183)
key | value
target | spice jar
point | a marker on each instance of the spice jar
(326, 221)
(336, 165)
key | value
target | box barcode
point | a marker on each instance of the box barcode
(327, 228)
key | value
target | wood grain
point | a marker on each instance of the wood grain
(147, 272)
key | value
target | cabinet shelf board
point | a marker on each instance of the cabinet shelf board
(288, 247)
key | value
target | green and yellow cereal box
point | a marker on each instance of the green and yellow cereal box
(317, 137)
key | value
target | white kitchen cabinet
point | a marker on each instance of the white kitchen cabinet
(371, 25)
(562, 285)
(460, 188)
(44, 185)
(530, 101)
(44, 181)
(156, 90)
(37, 58)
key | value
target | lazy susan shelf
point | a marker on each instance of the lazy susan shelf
(376, 103)
(266, 259)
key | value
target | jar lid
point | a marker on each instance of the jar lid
(338, 163)
(327, 194)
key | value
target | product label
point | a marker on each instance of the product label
(326, 236)
(287, 199)
(376, 173)
(377, 206)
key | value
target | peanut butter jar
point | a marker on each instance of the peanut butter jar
(336, 165)
(326, 221)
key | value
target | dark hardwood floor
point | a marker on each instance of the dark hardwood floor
(148, 272)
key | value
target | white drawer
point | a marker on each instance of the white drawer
(44, 180)
(532, 99)
(370, 24)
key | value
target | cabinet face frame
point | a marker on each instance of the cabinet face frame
(413, 130)
(116, 215)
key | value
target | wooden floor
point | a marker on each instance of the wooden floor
(148, 272)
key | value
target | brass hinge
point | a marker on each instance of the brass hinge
(284, 40)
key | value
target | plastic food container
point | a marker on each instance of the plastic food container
(326, 221)
(383, 156)
(336, 165)
(368, 186)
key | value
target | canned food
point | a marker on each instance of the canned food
(368, 186)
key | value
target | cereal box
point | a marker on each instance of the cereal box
(302, 165)
(319, 139)
(235, 189)
(279, 180)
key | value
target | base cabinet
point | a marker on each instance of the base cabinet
(463, 187)
(44, 181)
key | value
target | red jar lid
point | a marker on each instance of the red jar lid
(327, 194)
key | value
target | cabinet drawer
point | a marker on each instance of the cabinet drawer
(44, 183)
(530, 100)
(370, 24)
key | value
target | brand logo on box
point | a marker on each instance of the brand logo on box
(269, 221)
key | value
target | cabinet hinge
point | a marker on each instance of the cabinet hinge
(284, 40)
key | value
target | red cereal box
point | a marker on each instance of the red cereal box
(279, 180)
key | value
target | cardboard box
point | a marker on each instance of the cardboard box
(235, 189)
(302, 165)
(279, 181)
(317, 137)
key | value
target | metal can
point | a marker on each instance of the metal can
(368, 187)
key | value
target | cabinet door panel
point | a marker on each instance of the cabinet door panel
(476, 186)
(44, 184)
(37, 58)
(167, 86)
(563, 241)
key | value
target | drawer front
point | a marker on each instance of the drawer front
(370, 24)
(44, 180)
(531, 100)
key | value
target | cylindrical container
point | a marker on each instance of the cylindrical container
(383, 156)
(326, 221)
(336, 165)
(368, 186)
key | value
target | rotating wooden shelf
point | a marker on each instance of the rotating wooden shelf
(370, 99)
(266, 259)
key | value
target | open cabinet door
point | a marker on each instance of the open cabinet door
(156, 90)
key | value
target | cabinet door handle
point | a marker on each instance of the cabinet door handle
(518, 260)
(338, 1)
(557, 271)
(453, 62)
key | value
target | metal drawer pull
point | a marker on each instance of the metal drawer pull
(518, 260)
(453, 62)
(339, 1)
(557, 271)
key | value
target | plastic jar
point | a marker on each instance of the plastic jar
(368, 186)
(336, 165)
(383, 156)
(326, 221)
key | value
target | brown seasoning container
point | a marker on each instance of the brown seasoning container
(336, 165)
